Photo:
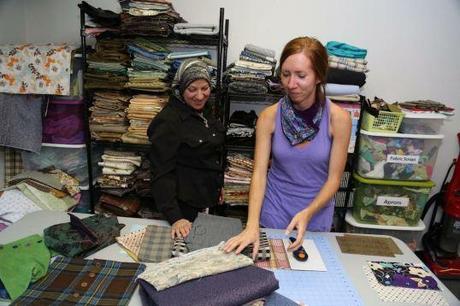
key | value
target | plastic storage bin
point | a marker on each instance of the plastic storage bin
(422, 123)
(397, 156)
(354, 109)
(387, 122)
(387, 202)
(410, 235)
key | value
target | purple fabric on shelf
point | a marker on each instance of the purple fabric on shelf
(63, 123)
(230, 288)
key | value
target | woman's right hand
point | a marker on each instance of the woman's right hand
(181, 228)
(242, 240)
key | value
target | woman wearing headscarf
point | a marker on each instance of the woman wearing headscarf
(185, 155)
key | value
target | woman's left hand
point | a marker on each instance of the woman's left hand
(180, 228)
(299, 222)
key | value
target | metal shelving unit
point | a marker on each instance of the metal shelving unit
(220, 41)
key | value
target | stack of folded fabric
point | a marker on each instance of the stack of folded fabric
(107, 65)
(207, 268)
(118, 170)
(248, 73)
(148, 55)
(124, 182)
(346, 74)
(100, 21)
(142, 109)
(196, 29)
(237, 179)
(149, 68)
(429, 106)
(241, 128)
(147, 80)
(108, 117)
(148, 17)
(347, 69)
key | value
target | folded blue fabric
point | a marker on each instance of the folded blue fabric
(345, 50)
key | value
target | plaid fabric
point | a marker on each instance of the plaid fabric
(156, 245)
(132, 243)
(264, 252)
(13, 163)
(278, 260)
(83, 282)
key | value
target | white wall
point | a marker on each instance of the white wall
(12, 21)
(412, 45)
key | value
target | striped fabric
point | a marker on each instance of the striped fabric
(156, 245)
(264, 252)
(179, 247)
(278, 259)
(83, 282)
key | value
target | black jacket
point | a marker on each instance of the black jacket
(185, 159)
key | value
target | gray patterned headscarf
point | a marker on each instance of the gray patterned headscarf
(189, 71)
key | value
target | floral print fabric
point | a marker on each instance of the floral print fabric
(35, 69)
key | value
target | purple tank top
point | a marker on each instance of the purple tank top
(296, 175)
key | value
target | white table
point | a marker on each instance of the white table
(36, 222)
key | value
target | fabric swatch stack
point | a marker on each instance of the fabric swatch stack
(199, 266)
(347, 69)
(346, 74)
(237, 179)
(118, 169)
(142, 109)
(108, 118)
(124, 182)
(148, 17)
(149, 69)
(248, 73)
(107, 65)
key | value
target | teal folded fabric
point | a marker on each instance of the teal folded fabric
(345, 50)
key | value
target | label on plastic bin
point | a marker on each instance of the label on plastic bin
(393, 201)
(402, 159)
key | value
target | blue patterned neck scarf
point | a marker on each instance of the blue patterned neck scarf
(300, 126)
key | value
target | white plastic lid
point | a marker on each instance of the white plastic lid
(350, 220)
(422, 115)
(400, 135)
